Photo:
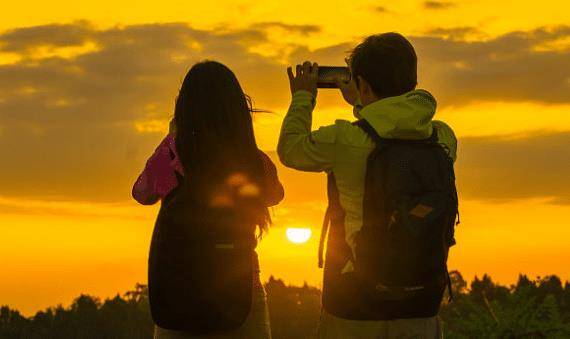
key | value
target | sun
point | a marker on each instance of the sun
(298, 235)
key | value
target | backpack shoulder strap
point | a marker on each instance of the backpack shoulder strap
(334, 209)
(368, 129)
(331, 190)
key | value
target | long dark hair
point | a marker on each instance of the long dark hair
(214, 134)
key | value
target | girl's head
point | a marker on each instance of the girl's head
(214, 134)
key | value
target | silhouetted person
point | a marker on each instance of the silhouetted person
(215, 186)
(379, 204)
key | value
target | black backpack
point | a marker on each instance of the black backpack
(409, 211)
(200, 265)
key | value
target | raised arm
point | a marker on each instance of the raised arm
(298, 146)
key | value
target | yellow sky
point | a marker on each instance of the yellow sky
(70, 239)
(341, 18)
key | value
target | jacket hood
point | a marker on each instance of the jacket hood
(407, 116)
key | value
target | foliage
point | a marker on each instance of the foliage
(538, 308)
(294, 311)
(530, 309)
(117, 318)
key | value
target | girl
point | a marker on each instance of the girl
(211, 145)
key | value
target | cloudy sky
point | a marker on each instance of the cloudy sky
(87, 89)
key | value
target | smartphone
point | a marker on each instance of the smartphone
(327, 74)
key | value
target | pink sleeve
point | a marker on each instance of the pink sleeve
(159, 176)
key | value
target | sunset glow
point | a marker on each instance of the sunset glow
(87, 89)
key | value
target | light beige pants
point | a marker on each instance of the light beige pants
(256, 326)
(332, 327)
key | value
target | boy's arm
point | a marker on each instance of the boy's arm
(301, 148)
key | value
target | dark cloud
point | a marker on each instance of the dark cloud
(455, 33)
(300, 29)
(330, 55)
(515, 167)
(381, 9)
(438, 4)
(518, 66)
(67, 124)
(22, 40)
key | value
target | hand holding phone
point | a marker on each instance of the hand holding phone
(305, 78)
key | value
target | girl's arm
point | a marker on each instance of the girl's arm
(159, 177)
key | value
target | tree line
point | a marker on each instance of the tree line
(531, 308)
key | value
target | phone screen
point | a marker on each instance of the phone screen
(327, 74)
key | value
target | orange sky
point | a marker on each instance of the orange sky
(83, 103)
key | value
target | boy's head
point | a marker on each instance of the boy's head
(383, 65)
